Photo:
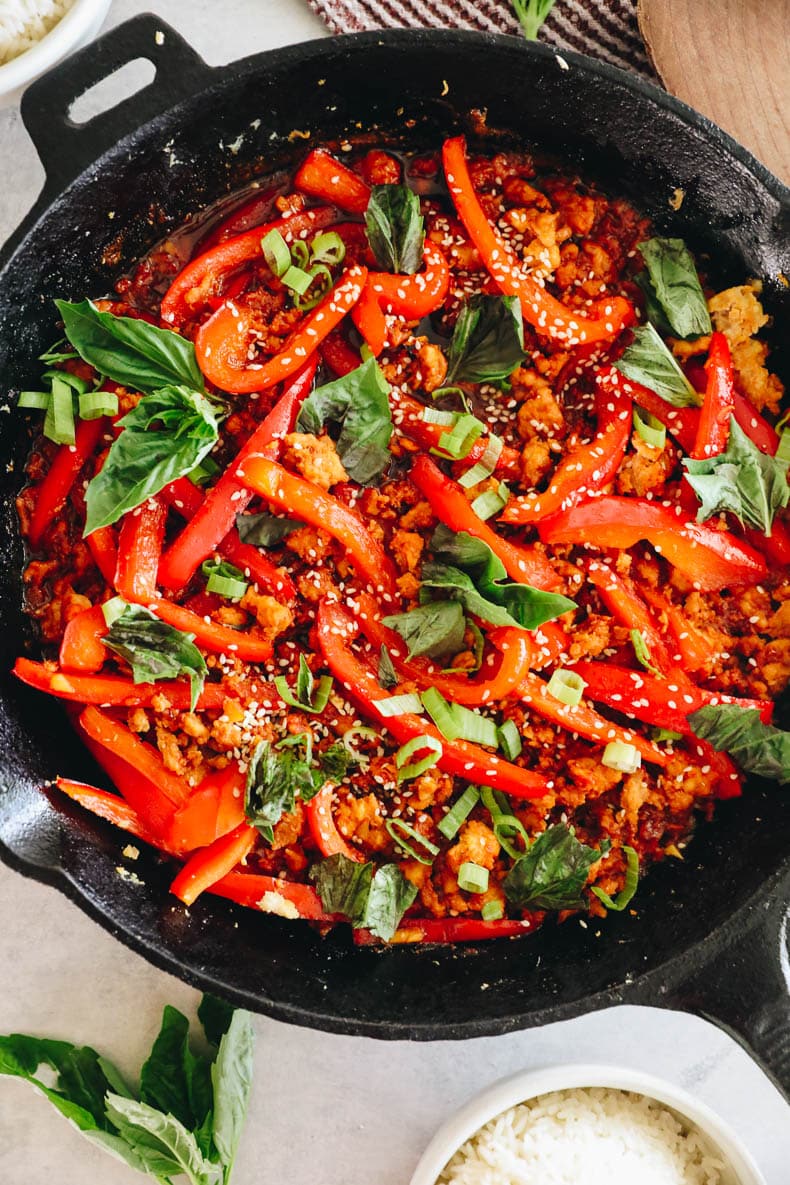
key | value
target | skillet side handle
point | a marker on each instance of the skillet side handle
(744, 987)
(67, 148)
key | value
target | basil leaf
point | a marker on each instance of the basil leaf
(215, 1016)
(488, 340)
(650, 362)
(374, 902)
(358, 401)
(436, 629)
(274, 779)
(162, 1143)
(129, 351)
(81, 1082)
(172, 1078)
(265, 530)
(675, 287)
(164, 437)
(334, 762)
(156, 650)
(749, 483)
(552, 872)
(231, 1076)
(760, 749)
(395, 228)
(387, 676)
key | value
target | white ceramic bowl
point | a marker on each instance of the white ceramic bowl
(79, 25)
(521, 1087)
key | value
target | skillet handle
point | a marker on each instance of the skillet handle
(67, 148)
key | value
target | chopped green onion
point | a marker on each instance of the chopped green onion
(458, 442)
(783, 451)
(433, 415)
(276, 252)
(621, 756)
(472, 878)
(399, 705)
(397, 829)
(297, 280)
(328, 247)
(451, 393)
(566, 686)
(78, 385)
(300, 253)
(412, 769)
(112, 610)
(458, 812)
(506, 825)
(59, 420)
(224, 579)
(489, 503)
(649, 428)
(361, 732)
(485, 466)
(454, 721)
(510, 740)
(95, 404)
(492, 911)
(666, 734)
(625, 896)
(203, 473)
(320, 271)
(39, 400)
(642, 652)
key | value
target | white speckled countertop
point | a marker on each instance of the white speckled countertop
(326, 1110)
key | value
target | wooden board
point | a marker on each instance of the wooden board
(730, 59)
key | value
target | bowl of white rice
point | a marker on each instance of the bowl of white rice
(585, 1125)
(36, 34)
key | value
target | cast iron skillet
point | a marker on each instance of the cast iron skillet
(710, 932)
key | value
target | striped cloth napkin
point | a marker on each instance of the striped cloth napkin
(605, 29)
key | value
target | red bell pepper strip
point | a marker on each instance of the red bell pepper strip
(106, 806)
(584, 720)
(623, 601)
(514, 645)
(587, 468)
(719, 403)
(203, 278)
(210, 635)
(709, 558)
(315, 506)
(139, 549)
(213, 809)
(211, 864)
(460, 758)
(124, 744)
(116, 690)
(215, 514)
(271, 895)
(691, 647)
(417, 296)
(248, 216)
(680, 422)
(526, 565)
(323, 176)
(81, 648)
(323, 828)
(776, 546)
(103, 546)
(143, 796)
(369, 319)
(443, 930)
(756, 427)
(339, 356)
(222, 341)
(52, 493)
(729, 782)
(540, 309)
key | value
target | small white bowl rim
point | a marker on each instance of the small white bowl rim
(529, 1084)
(54, 45)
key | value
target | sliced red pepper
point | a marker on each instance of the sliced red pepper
(126, 745)
(459, 758)
(215, 515)
(776, 546)
(443, 930)
(680, 422)
(729, 783)
(211, 635)
(587, 468)
(81, 648)
(315, 506)
(691, 645)
(756, 427)
(323, 176)
(247, 216)
(272, 895)
(526, 565)
(116, 689)
(324, 830)
(211, 864)
(623, 601)
(139, 549)
(369, 320)
(144, 797)
(106, 806)
(719, 404)
(709, 558)
(103, 546)
(339, 356)
(213, 809)
(514, 645)
(417, 296)
(53, 492)
(540, 309)
(222, 341)
(203, 278)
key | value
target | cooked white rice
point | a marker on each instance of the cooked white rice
(585, 1137)
(24, 22)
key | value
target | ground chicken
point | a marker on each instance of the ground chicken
(738, 314)
(633, 796)
(315, 457)
(272, 617)
(476, 844)
(591, 780)
(535, 462)
(433, 366)
(313, 586)
(361, 818)
(645, 470)
(418, 516)
(138, 721)
(540, 414)
(168, 747)
(194, 727)
(289, 827)
(591, 636)
(407, 548)
(309, 543)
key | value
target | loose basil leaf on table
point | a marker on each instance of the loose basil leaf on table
(395, 228)
(264, 529)
(164, 437)
(359, 402)
(231, 1078)
(488, 340)
(743, 480)
(649, 361)
(674, 286)
(435, 629)
(758, 748)
(130, 351)
(552, 872)
(156, 650)
(374, 901)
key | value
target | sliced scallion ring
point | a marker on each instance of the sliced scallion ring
(510, 740)
(412, 769)
(276, 252)
(492, 911)
(399, 705)
(625, 896)
(319, 696)
(300, 253)
(621, 756)
(59, 420)
(95, 404)
(454, 721)
(651, 430)
(38, 400)
(485, 466)
(459, 812)
(491, 502)
(434, 415)
(358, 732)
(472, 878)
(296, 279)
(506, 826)
(320, 283)
(458, 442)
(401, 833)
(224, 579)
(328, 247)
(566, 686)
(112, 610)
(666, 734)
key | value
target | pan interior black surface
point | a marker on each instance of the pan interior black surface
(116, 186)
